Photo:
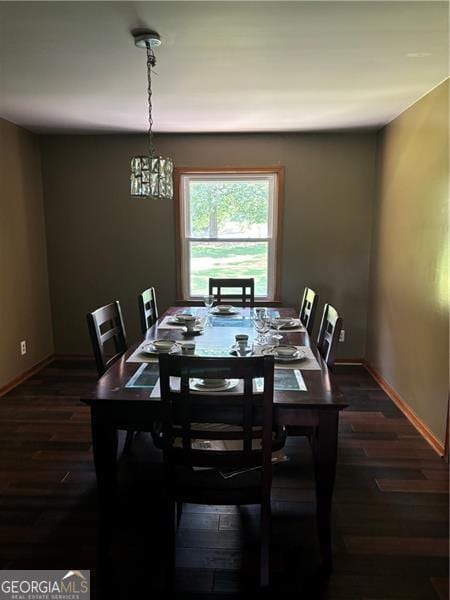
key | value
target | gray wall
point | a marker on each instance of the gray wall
(105, 245)
(24, 291)
(408, 323)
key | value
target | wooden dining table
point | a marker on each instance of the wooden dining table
(116, 406)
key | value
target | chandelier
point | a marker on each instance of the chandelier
(151, 175)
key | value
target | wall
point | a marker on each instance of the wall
(24, 293)
(103, 244)
(408, 315)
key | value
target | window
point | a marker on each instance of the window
(228, 223)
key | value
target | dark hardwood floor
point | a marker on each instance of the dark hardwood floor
(390, 505)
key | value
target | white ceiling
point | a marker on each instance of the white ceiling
(223, 66)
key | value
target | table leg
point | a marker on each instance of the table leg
(104, 442)
(325, 456)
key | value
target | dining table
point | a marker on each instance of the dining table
(126, 398)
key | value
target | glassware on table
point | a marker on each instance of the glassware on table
(208, 300)
(278, 324)
(260, 312)
(262, 326)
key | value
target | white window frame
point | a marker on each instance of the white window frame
(186, 239)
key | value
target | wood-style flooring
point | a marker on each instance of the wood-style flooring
(390, 531)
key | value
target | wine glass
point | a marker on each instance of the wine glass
(262, 326)
(260, 312)
(278, 324)
(208, 301)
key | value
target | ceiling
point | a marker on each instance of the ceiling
(222, 66)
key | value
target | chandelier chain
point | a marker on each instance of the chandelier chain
(151, 61)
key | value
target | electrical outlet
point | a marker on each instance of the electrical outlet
(23, 347)
(342, 335)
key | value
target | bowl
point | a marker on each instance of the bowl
(224, 308)
(212, 382)
(282, 321)
(163, 345)
(182, 317)
(285, 351)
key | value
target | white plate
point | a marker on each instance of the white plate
(234, 351)
(175, 322)
(294, 324)
(194, 331)
(181, 323)
(299, 355)
(196, 384)
(233, 311)
(150, 349)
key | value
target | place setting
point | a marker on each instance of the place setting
(185, 322)
(149, 351)
(213, 385)
(284, 380)
(290, 324)
(224, 310)
(287, 356)
(226, 315)
(202, 386)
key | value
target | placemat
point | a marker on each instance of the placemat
(139, 357)
(300, 328)
(146, 376)
(307, 364)
(165, 323)
(290, 380)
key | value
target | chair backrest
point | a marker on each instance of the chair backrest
(148, 309)
(245, 296)
(106, 324)
(238, 433)
(330, 330)
(308, 309)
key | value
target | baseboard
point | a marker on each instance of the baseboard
(350, 361)
(73, 357)
(416, 421)
(26, 375)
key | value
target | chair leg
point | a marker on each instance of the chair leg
(179, 512)
(265, 543)
(128, 442)
(170, 545)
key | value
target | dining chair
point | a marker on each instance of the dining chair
(106, 325)
(245, 296)
(327, 341)
(206, 436)
(308, 309)
(329, 332)
(148, 309)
